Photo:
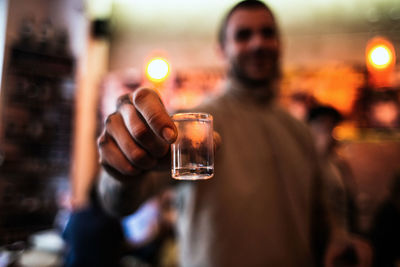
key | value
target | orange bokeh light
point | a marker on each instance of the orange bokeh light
(380, 59)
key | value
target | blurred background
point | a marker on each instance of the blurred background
(62, 63)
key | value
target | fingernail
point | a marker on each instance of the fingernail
(168, 134)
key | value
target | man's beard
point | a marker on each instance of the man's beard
(238, 71)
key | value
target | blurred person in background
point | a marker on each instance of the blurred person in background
(93, 237)
(385, 230)
(340, 183)
(300, 103)
(150, 232)
(322, 121)
(266, 199)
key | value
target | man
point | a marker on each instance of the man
(260, 208)
(322, 121)
(339, 181)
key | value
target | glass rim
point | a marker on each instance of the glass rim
(192, 115)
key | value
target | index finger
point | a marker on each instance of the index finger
(150, 106)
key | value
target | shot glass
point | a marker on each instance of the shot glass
(193, 151)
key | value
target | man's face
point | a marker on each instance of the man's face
(252, 46)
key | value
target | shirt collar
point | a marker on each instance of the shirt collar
(258, 94)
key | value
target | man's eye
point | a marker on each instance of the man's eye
(243, 35)
(268, 32)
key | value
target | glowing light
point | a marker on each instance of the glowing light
(157, 70)
(345, 131)
(380, 56)
(385, 113)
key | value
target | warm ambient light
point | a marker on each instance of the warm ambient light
(157, 70)
(380, 56)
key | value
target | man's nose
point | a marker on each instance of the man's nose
(259, 41)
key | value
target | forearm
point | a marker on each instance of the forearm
(120, 199)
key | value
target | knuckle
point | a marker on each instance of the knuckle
(154, 117)
(122, 100)
(107, 121)
(140, 132)
(142, 160)
(113, 123)
(101, 140)
(141, 95)
(110, 120)
(129, 170)
(138, 156)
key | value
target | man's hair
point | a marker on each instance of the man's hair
(246, 4)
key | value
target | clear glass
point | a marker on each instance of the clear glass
(193, 151)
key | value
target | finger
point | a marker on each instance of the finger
(111, 155)
(150, 106)
(142, 134)
(122, 100)
(217, 140)
(135, 154)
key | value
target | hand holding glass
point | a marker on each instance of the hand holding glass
(193, 151)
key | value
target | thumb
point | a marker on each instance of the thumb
(217, 140)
